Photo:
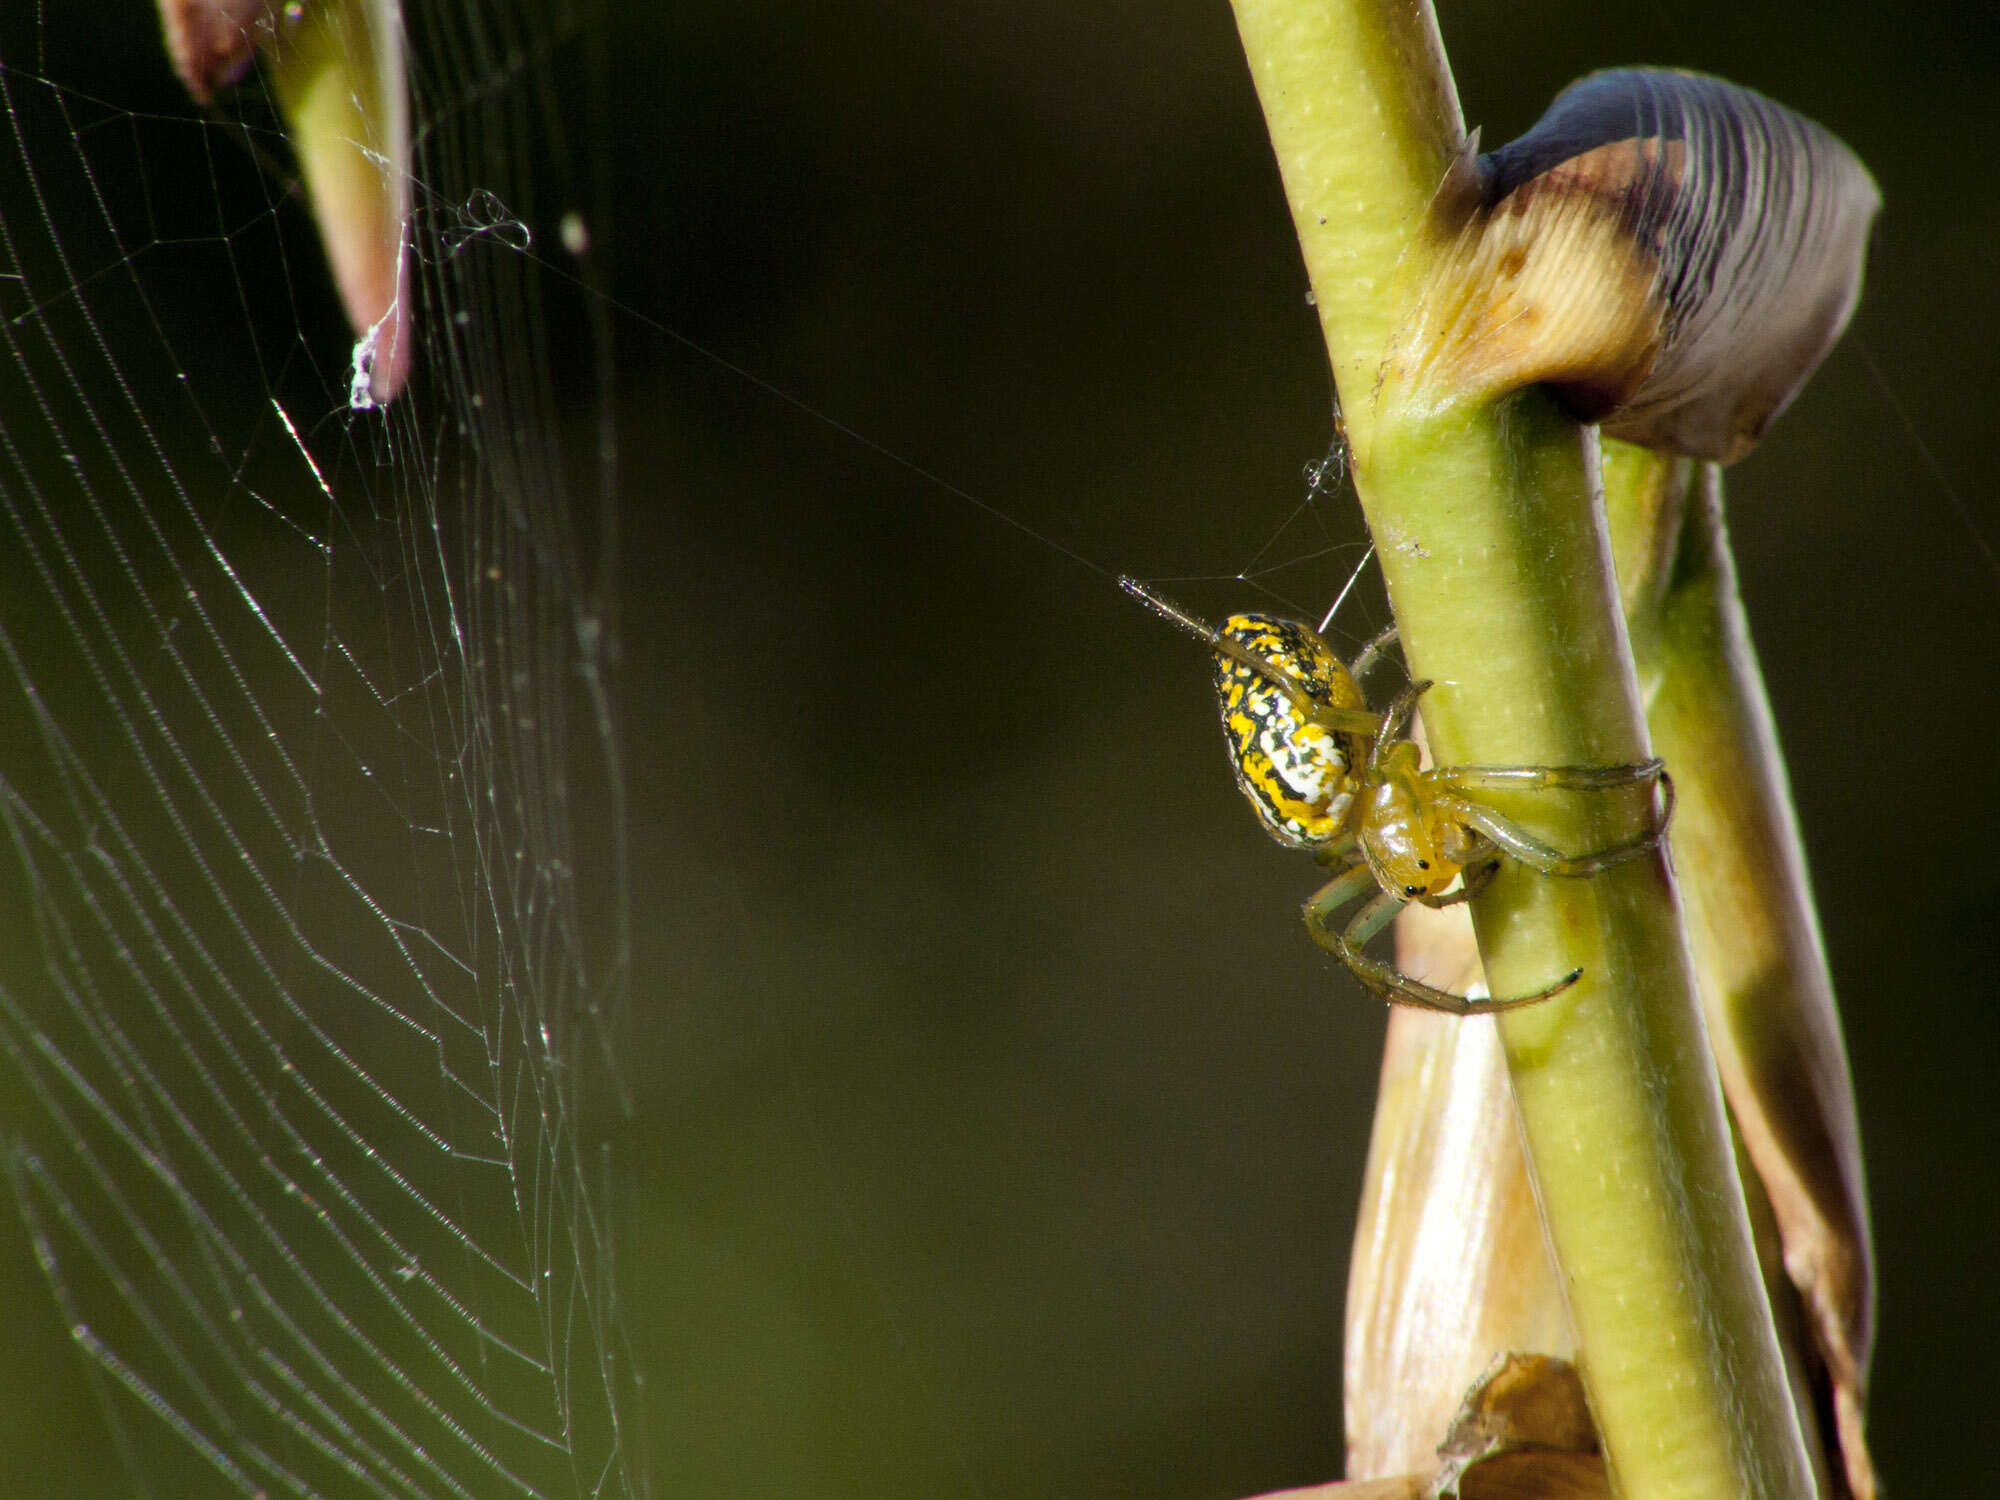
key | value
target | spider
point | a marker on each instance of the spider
(1326, 774)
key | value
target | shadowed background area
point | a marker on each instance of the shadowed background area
(996, 1129)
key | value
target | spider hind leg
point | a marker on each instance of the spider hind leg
(1382, 980)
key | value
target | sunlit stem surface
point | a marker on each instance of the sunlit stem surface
(1489, 523)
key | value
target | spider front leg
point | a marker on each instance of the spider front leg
(1525, 847)
(1385, 982)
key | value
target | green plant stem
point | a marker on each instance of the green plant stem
(1489, 523)
(1765, 983)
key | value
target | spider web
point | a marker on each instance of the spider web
(302, 997)
(308, 785)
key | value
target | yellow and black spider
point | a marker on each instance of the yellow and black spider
(1327, 775)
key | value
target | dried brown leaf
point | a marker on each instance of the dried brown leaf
(1672, 253)
(1450, 1267)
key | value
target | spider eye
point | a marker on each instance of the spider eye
(1423, 864)
(1413, 890)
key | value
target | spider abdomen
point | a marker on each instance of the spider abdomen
(1299, 775)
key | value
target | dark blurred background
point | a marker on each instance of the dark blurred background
(996, 1129)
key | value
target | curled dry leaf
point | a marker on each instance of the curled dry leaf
(1402, 1487)
(1522, 1432)
(1537, 1475)
(1673, 254)
(1450, 1266)
(1525, 1401)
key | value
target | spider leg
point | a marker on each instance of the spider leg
(1395, 722)
(1385, 982)
(1530, 850)
(1537, 855)
(1573, 778)
(1370, 654)
(1338, 855)
(1349, 720)
(1347, 886)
